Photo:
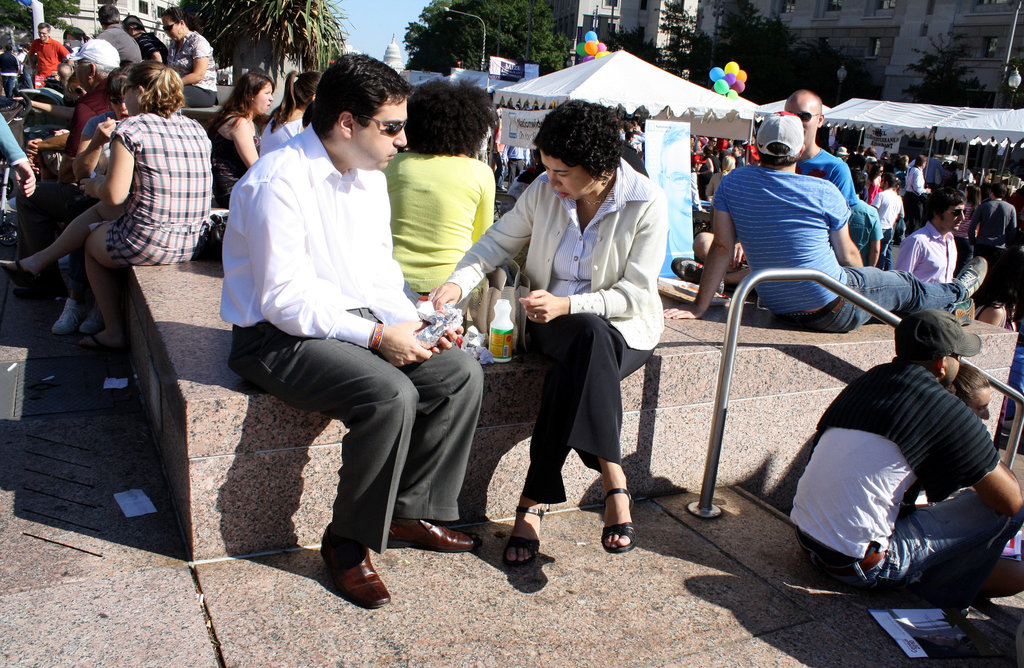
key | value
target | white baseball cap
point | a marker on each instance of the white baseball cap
(100, 52)
(782, 128)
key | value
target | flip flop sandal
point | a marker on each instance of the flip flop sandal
(18, 275)
(532, 545)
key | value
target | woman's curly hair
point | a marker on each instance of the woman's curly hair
(163, 93)
(449, 119)
(582, 133)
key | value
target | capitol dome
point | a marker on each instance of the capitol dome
(393, 56)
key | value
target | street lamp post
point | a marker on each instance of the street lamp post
(483, 48)
(1013, 81)
(840, 77)
(717, 11)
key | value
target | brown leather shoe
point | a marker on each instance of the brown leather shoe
(359, 584)
(427, 536)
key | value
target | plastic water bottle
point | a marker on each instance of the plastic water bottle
(501, 331)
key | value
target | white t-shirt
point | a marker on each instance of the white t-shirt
(281, 134)
(890, 208)
(849, 495)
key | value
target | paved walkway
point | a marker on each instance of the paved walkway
(81, 584)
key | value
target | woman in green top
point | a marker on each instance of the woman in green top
(442, 198)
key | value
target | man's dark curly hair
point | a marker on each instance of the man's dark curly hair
(582, 133)
(449, 119)
(357, 84)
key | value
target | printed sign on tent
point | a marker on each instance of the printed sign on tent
(520, 127)
(667, 157)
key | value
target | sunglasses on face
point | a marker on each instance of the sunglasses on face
(957, 213)
(169, 28)
(390, 128)
(804, 116)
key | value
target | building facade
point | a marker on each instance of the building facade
(887, 34)
(574, 18)
(147, 10)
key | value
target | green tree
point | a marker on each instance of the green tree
(688, 50)
(944, 77)
(439, 40)
(307, 31)
(19, 16)
(636, 43)
(776, 63)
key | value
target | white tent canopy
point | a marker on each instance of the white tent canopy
(780, 105)
(916, 120)
(623, 79)
(995, 128)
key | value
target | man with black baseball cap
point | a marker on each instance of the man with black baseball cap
(786, 220)
(891, 433)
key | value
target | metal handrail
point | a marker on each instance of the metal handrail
(705, 508)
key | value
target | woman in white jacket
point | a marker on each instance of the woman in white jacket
(597, 232)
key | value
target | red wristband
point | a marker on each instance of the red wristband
(378, 336)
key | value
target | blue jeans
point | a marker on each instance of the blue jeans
(898, 291)
(943, 553)
(885, 252)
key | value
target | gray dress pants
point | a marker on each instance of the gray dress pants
(410, 428)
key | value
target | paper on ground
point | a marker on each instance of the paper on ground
(115, 383)
(134, 502)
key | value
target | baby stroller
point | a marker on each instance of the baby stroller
(13, 115)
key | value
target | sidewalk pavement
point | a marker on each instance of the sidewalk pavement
(82, 584)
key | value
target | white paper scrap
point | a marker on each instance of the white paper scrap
(48, 378)
(11, 368)
(134, 502)
(115, 383)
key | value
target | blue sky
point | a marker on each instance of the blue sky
(371, 23)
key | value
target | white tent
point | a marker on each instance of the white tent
(623, 79)
(915, 120)
(780, 105)
(995, 128)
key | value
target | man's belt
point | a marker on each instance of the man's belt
(826, 554)
(806, 316)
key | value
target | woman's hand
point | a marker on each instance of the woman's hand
(446, 293)
(542, 306)
(104, 131)
(682, 313)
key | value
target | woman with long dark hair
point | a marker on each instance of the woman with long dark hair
(597, 231)
(236, 143)
(1000, 299)
(286, 120)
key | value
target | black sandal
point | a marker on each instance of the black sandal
(625, 529)
(18, 275)
(530, 544)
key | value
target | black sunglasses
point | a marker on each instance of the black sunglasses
(169, 28)
(390, 128)
(804, 116)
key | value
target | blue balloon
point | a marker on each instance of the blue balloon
(716, 73)
(27, 3)
(589, 37)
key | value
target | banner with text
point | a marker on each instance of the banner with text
(505, 69)
(883, 139)
(520, 127)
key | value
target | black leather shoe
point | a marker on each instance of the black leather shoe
(427, 536)
(358, 584)
(39, 292)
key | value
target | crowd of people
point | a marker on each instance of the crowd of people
(359, 196)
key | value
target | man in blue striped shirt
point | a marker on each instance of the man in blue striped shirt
(789, 221)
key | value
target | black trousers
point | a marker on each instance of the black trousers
(581, 403)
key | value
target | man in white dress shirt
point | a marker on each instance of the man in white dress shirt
(322, 321)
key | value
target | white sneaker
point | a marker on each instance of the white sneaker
(73, 315)
(93, 323)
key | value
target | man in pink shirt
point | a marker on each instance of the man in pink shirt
(930, 252)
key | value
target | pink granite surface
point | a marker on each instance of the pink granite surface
(673, 596)
(221, 438)
(147, 618)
